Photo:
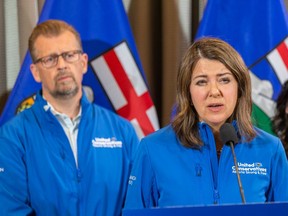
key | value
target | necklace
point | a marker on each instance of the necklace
(219, 152)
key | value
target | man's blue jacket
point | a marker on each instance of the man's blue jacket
(38, 173)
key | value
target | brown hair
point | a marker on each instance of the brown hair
(280, 120)
(50, 28)
(186, 121)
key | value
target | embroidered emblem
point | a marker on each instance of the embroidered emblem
(106, 143)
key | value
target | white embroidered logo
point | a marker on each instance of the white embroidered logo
(250, 168)
(131, 179)
(106, 143)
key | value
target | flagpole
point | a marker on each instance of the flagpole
(194, 18)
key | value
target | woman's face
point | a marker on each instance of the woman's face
(214, 92)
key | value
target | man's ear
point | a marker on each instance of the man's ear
(84, 62)
(35, 73)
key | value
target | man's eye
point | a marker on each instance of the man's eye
(49, 59)
(69, 55)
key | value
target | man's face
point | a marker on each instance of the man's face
(64, 79)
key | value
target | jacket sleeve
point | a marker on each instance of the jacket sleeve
(279, 176)
(142, 189)
(13, 179)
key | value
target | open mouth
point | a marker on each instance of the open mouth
(215, 105)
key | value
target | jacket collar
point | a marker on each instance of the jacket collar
(41, 103)
(206, 133)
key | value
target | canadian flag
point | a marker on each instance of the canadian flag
(120, 76)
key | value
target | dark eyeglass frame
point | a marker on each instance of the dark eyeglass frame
(55, 58)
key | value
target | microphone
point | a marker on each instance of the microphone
(229, 137)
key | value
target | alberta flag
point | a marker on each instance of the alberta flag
(258, 30)
(115, 78)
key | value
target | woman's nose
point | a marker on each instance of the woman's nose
(214, 90)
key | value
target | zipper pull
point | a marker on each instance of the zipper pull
(216, 196)
(198, 170)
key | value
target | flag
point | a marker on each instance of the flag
(115, 78)
(258, 30)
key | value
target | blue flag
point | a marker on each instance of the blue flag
(258, 30)
(115, 78)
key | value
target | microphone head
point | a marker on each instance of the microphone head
(228, 134)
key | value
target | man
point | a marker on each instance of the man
(64, 155)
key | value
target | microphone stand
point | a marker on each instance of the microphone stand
(237, 173)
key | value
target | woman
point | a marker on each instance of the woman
(186, 163)
(280, 121)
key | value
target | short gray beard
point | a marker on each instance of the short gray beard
(66, 94)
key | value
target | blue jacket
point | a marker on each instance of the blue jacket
(165, 173)
(38, 172)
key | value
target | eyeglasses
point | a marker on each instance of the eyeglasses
(52, 60)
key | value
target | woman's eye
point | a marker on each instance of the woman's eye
(225, 80)
(201, 82)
